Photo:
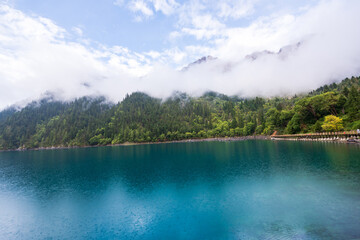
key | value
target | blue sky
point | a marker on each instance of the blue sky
(72, 48)
(108, 22)
(102, 21)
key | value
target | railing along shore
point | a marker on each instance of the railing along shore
(341, 136)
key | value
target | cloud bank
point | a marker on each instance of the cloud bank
(38, 56)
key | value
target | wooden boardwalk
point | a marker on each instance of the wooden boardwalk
(343, 135)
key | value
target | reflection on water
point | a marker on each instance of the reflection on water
(208, 190)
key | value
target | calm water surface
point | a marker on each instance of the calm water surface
(207, 190)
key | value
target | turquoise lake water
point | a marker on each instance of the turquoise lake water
(206, 190)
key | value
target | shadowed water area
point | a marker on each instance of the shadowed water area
(204, 190)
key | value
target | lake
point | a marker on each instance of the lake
(205, 190)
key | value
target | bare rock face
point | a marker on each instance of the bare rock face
(282, 54)
(256, 55)
(199, 61)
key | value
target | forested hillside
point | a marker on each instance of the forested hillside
(141, 118)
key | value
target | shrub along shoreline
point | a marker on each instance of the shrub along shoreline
(217, 139)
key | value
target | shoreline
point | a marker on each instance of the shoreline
(216, 139)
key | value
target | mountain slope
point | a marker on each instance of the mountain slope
(142, 118)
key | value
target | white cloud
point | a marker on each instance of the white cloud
(119, 2)
(174, 35)
(36, 56)
(329, 51)
(167, 7)
(206, 22)
(196, 21)
(270, 33)
(175, 54)
(145, 8)
(140, 6)
(78, 31)
(153, 54)
(191, 10)
(201, 33)
(235, 9)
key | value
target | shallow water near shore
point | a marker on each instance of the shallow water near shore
(253, 189)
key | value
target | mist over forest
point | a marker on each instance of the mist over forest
(141, 118)
(279, 55)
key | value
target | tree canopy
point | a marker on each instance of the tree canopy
(142, 118)
(332, 123)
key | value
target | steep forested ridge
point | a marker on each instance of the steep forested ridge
(141, 118)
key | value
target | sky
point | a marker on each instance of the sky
(74, 48)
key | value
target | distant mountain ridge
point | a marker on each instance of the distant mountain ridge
(199, 61)
(283, 53)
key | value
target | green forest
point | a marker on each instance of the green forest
(142, 118)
